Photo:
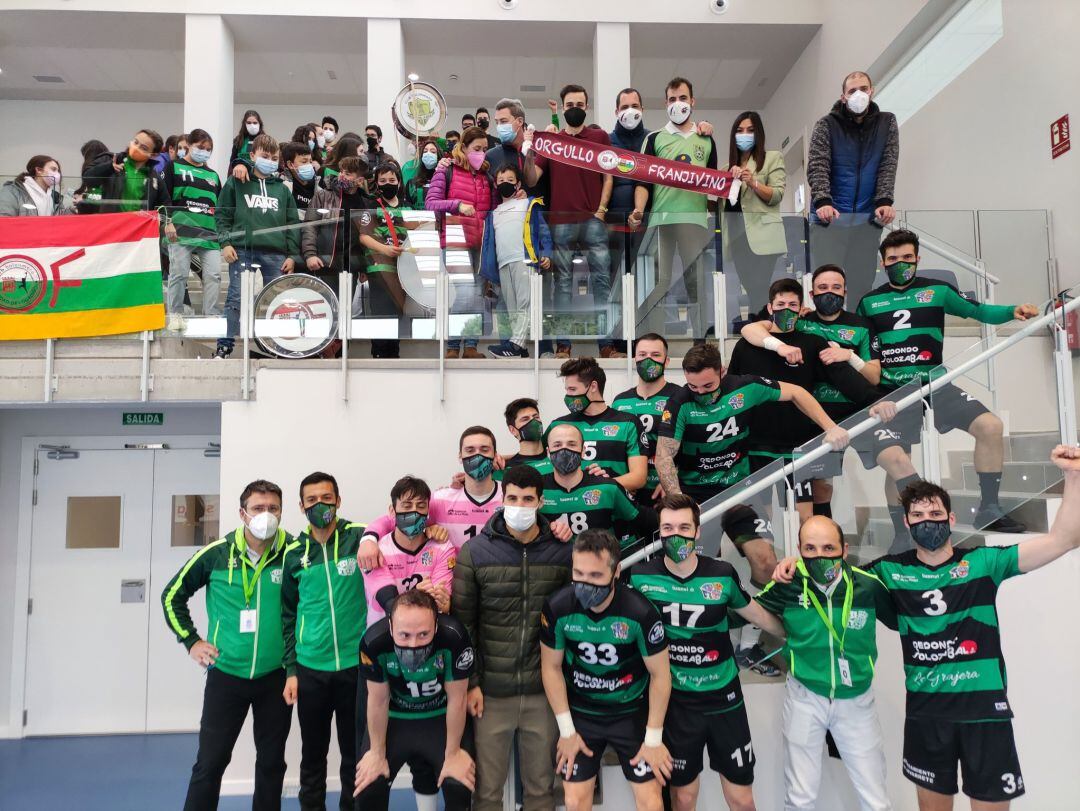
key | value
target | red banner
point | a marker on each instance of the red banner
(610, 160)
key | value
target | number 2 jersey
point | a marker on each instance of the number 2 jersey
(704, 676)
(454, 510)
(420, 693)
(949, 631)
(403, 570)
(604, 652)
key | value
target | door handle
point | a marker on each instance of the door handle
(133, 591)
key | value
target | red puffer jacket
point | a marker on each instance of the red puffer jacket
(452, 186)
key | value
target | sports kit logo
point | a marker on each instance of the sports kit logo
(699, 153)
(960, 571)
(666, 416)
(22, 284)
(712, 591)
(620, 630)
(305, 561)
(426, 558)
(737, 401)
(347, 567)
(661, 405)
(846, 334)
(465, 659)
(365, 218)
(610, 430)
(275, 576)
(656, 633)
(924, 296)
(591, 497)
(933, 651)
(857, 620)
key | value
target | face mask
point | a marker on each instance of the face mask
(785, 319)
(519, 519)
(476, 159)
(505, 132)
(372, 143)
(411, 523)
(858, 102)
(477, 466)
(576, 403)
(310, 144)
(679, 547)
(320, 140)
(824, 570)
(482, 123)
(678, 112)
(429, 159)
(575, 116)
(590, 595)
(305, 171)
(181, 153)
(828, 303)
(931, 535)
(252, 129)
(345, 186)
(452, 144)
(630, 118)
(267, 166)
(52, 179)
(649, 369)
(532, 431)
(565, 460)
(412, 659)
(200, 155)
(320, 515)
(744, 141)
(507, 189)
(901, 273)
(137, 155)
(707, 398)
(388, 191)
(328, 136)
(263, 526)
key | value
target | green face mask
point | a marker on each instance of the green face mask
(785, 319)
(707, 398)
(824, 570)
(532, 431)
(649, 369)
(320, 515)
(576, 403)
(678, 547)
(901, 273)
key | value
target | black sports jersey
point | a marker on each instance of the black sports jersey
(848, 331)
(648, 410)
(610, 439)
(695, 614)
(604, 652)
(420, 693)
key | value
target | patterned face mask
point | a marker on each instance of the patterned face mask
(320, 515)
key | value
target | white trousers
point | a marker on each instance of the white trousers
(855, 728)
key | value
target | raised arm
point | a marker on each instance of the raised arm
(760, 333)
(1064, 535)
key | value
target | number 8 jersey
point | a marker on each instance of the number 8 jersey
(603, 652)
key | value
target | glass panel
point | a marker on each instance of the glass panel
(1015, 246)
(850, 241)
(93, 522)
(195, 520)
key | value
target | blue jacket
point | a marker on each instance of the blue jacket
(622, 188)
(535, 235)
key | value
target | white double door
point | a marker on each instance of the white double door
(110, 528)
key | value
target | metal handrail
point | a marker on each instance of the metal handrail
(789, 468)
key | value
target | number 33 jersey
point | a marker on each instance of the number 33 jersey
(604, 652)
(403, 570)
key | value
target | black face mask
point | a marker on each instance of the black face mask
(388, 191)
(482, 123)
(565, 460)
(372, 144)
(828, 303)
(507, 189)
(451, 144)
(575, 116)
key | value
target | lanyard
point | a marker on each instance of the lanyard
(389, 220)
(249, 589)
(845, 614)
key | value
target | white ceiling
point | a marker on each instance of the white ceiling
(140, 57)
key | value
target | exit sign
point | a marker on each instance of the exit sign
(141, 418)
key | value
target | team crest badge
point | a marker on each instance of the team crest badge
(661, 405)
(426, 558)
(712, 591)
(924, 296)
(275, 576)
(439, 661)
(611, 430)
(305, 561)
(857, 620)
(699, 153)
(960, 571)
(737, 401)
(666, 416)
(365, 218)
(846, 334)
(346, 567)
(591, 497)
(620, 630)
(656, 633)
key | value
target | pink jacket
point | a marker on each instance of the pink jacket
(473, 188)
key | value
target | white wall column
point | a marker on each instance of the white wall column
(611, 70)
(385, 77)
(208, 105)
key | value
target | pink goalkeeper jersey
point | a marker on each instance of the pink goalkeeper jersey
(404, 570)
(453, 509)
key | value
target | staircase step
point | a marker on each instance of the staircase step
(1017, 477)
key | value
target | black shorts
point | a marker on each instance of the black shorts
(623, 733)
(954, 409)
(803, 493)
(688, 732)
(985, 750)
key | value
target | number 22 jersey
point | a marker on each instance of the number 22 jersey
(403, 570)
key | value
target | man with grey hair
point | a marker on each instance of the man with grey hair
(510, 131)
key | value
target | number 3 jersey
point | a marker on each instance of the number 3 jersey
(420, 693)
(403, 570)
(695, 615)
(604, 652)
(949, 631)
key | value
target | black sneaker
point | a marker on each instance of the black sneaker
(755, 659)
(507, 349)
(223, 351)
(994, 519)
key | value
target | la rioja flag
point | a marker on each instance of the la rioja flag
(79, 276)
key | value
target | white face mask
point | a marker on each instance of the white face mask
(678, 112)
(263, 526)
(320, 140)
(328, 136)
(252, 129)
(630, 118)
(858, 102)
(520, 519)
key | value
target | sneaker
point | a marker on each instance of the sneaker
(611, 352)
(994, 519)
(223, 351)
(471, 353)
(562, 351)
(175, 323)
(507, 349)
(547, 354)
(754, 659)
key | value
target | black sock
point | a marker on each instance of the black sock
(989, 486)
(823, 509)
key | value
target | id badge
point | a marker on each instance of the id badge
(845, 671)
(248, 621)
